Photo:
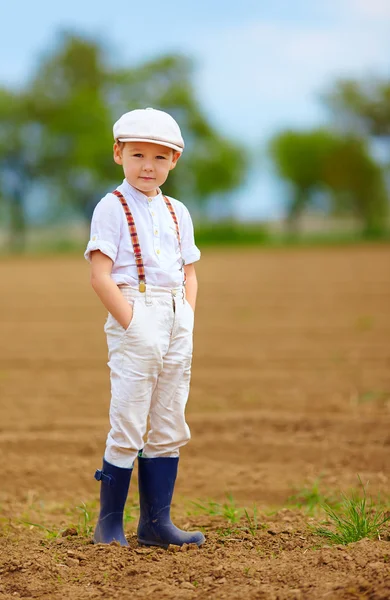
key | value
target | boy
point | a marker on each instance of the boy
(142, 252)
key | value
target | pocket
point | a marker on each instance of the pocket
(112, 325)
(132, 316)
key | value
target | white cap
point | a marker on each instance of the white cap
(149, 125)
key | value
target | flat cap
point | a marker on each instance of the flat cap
(149, 125)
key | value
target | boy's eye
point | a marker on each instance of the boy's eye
(137, 155)
(163, 157)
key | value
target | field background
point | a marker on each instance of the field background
(290, 389)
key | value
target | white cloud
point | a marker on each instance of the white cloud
(263, 75)
(260, 77)
(369, 9)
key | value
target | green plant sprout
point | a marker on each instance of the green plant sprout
(84, 527)
(50, 533)
(372, 396)
(311, 498)
(127, 516)
(252, 522)
(356, 520)
(229, 510)
(224, 532)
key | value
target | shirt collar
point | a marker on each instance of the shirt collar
(136, 194)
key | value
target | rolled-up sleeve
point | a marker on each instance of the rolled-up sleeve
(105, 228)
(190, 252)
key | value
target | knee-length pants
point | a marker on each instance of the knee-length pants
(150, 371)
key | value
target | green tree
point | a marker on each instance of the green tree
(66, 100)
(299, 158)
(57, 131)
(337, 165)
(361, 106)
(357, 184)
(18, 163)
(76, 96)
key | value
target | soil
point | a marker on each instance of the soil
(290, 390)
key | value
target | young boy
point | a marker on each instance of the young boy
(142, 252)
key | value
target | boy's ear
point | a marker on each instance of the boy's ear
(117, 153)
(175, 158)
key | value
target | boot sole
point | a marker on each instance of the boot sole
(161, 545)
(147, 543)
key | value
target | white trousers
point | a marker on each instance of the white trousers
(150, 371)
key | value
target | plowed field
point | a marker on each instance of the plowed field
(290, 392)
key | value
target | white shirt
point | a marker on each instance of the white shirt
(156, 233)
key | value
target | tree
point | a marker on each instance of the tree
(18, 162)
(338, 165)
(299, 158)
(357, 184)
(66, 99)
(57, 131)
(76, 96)
(361, 107)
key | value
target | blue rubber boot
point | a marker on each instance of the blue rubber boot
(156, 480)
(114, 488)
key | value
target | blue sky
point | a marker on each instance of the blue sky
(260, 66)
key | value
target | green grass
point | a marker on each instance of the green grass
(81, 519)
(227, 233)
(365, 323)
(348, 520)
(232, 234)
(356, 519)
(252, 523)
(130, 508)
(224, 532)
(238, 519)
(229, 510)
(51, 533)
(311, 498)
(378, 397)
(84, 526)
(258, 234)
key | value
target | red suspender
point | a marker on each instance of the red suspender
(174, 217)
(135, 241)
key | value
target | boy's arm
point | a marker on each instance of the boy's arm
(191, 284)
(107, 290)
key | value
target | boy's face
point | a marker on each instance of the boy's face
(146, 165)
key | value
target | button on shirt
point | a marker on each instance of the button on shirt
(156, 233)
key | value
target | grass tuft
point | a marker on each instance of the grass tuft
(84, 526)
(50, 533)
(229, 510)
(252, 522)
(311, 498)
(356, 519)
